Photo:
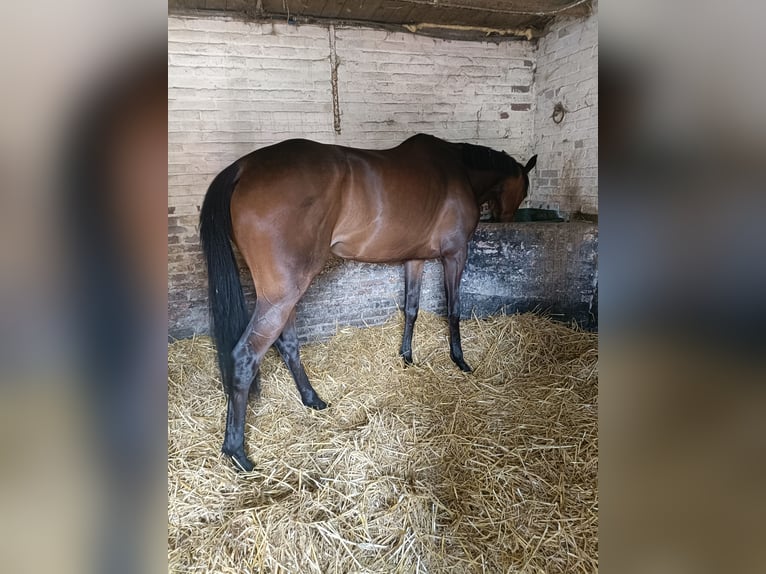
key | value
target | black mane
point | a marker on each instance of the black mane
(480, 157)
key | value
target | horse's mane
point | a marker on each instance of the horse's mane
(481, 157)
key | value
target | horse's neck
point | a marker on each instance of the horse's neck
(484, 184)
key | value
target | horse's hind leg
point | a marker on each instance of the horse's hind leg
(264, 328)
(288, 346)
(413, 276)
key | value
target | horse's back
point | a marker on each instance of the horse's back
(371, 205)
(293, 172)
(399, 203)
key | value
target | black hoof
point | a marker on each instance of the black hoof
(241, 461)
(407, 360)
(463, 366)
(237, 454)
(317, 404)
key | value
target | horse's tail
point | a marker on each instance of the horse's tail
(228, 312)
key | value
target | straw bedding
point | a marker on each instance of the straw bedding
(419, 469)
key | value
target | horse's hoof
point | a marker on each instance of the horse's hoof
(241, 462)
(317, 404)
(463, 366)
(407, 361)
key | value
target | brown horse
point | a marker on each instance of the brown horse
(288, 206)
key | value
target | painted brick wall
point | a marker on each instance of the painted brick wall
(393, 85)
(567, 72)
(235, 86)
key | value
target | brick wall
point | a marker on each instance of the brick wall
(567, 72)
(511, 266)
(235, 86)
(394, 85)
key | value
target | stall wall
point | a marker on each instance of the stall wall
(567, 72)
(544, 267)
(235, 86)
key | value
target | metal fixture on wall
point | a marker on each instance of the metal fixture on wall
(559, 111)
(334, 62)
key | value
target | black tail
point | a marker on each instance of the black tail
(228, 312)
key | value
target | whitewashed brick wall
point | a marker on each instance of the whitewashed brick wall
(393, 85)
(567, 72)
(235, 86)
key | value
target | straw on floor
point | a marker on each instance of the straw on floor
(419, 469)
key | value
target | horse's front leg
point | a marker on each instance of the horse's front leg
(453, 263)
(413, 278)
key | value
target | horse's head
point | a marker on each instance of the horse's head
(513, 190)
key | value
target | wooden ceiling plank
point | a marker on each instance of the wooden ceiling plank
(498, 14)
(364, 9)
(392, 11)
(332, 9)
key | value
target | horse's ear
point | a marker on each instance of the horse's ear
(530, 164)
